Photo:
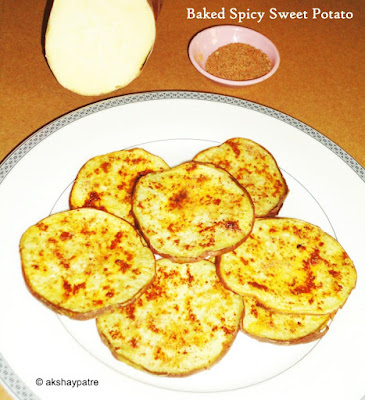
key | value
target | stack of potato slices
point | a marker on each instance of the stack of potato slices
(293, 270)
(279, 280)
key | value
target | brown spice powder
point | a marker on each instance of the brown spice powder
(238, 62)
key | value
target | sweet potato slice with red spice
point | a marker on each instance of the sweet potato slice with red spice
(192, 211)
(106, 182)
(84, 262)
(254, 168)
(278, 328)
(290, 266)
(184, 322)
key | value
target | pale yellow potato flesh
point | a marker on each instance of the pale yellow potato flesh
(254, 168)
(85, 261)
(267, 325)
(184, 322)
(290, 266)
(97, 46)
(106, 182)
(192, 211)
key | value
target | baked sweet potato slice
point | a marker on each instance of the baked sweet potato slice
(290, 266)
(278, 328)
(192, 211)
(84, 262)
(184, 322)
(255, 169)
(106, 182)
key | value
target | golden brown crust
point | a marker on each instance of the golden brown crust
(126, 360)
(270, 326)
(86, 315)
(306, 339)
(203, 256)
(267, 186)
(168, 223)
(275, 211)
(69, 268)
(184, 323)
(291, 266)
(106, 182)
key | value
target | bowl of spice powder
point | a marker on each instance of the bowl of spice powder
(233, 55)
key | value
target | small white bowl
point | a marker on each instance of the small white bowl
(209, 40)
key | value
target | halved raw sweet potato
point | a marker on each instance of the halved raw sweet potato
(97, 46)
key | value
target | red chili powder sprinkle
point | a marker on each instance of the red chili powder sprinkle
(238, 62)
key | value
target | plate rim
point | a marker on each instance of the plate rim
(8, 378)
(8, 163)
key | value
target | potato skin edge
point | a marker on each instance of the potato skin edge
(175, 375)
(275, 210)
(332, 312)
(81, 316)
(208, 253)
(311, 337)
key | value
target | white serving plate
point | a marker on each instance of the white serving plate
(326, 188)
